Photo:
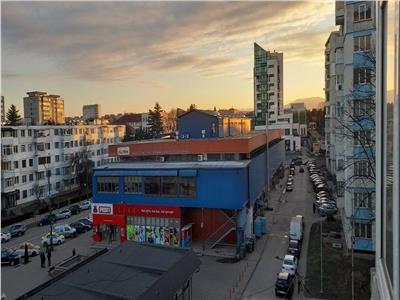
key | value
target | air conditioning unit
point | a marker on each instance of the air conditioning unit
(162, 158)
(200, 157)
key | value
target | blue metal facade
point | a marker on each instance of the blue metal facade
(191, 124)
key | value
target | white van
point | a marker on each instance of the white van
(65, 230)
(296, 228)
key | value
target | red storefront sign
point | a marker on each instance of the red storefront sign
(148, 211)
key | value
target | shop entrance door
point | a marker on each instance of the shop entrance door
(109, 233)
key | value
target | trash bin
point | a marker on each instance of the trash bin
(249, 245)
(263, 225)
(242, 251)
(258, 227)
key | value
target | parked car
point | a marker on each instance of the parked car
(289, 187)
(47, 220)
(75, 209)
(327, 209)
(65, 230)
(80, 227)
(294, 248)
(57, 239)
(284, 285)
(5, 237)
(63, 214)
(33, 250)
(301, 169)
(86, 221)
(291, 172)
(296, 228)
(9, 256)
(17, 230)
(289, 264)
(85, 205)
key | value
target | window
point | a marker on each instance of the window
(39, 175)
(7, 150)
(9, 181)
(23, 163)
(152, 185)
(107, 184)
(340, 188)
(24, 178)
(287, 131)
(362, 12)
(362, 168)
(15, 149)
(23, 148)
(57, 171)
(363, 230)
(29, 147)
(22, 132)
(44, 160)
(29, 132)
(48, 146)
(361, 75)
(58, 185)
(362, 43)
(363, 108)
(16, 164)
(133, 184)
(16, 180)
(187, 186)
(362, 200)
(56, 145)
(363, 138)
(56, 131)
(57, 157)
(168, 186)
(25, 194)
(30, 177)
(340, 164)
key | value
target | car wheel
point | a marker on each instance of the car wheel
(59, 242)
(3, 240)
(19, 233)
(12, 262)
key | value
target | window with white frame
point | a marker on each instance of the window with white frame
(340, 188)
(363, 138)
(362, 12)
(362, 168)
(362, 199)
(340, 164)
(363, 230)
(362, 75)
(362, 43)
(363, 107)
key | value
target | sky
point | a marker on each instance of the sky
(128, 55)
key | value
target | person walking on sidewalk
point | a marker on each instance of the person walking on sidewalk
(49, 257)
(26, 254)
(313, 207)
(42, 258)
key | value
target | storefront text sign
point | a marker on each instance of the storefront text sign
(123, 150)
(102, 209)
(153, 211)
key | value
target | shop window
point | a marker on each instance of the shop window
(107, 184)
(168, 186)
(152, 185)
(133, 184)
(187, 186)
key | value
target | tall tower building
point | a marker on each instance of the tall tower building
(268, 85)
(91, 111)
(42, 109)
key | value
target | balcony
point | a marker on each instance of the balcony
(363, 215)
(339, 12)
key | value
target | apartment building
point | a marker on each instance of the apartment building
(385, 277)
(31, 153)
(43, 109)
(3, 111)
(268, 100)
(91, 112)
(350, 119)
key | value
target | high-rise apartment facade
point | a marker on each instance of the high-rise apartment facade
(350, 56)
(29, 152)
(385, 283)
(91, 111)
(43, 109)
(3, 111)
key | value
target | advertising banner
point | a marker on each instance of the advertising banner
(168, 236)
(102, 209)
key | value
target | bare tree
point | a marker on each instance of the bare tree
(169, 120)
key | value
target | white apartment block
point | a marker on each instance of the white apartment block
(350, 119)
(28, 152)
(91, 111)
(268, 99)
(43, 109)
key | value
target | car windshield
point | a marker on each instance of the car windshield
(293, 244)
(288, 262)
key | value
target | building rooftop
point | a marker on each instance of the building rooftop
(130, 271)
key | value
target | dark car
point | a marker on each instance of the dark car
(301, 169)
(294, 248)
(284, 285)
(75, 209)
(17, 230)
(86, 221)
(47, 220)
(9, 256)
(80, 227)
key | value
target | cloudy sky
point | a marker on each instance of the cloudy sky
(127, 55)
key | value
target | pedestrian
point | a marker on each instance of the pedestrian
(73, 252)
(42, 258)
(26, 254)
(313, 207)
(49, 257)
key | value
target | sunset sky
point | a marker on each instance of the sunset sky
(127, 55)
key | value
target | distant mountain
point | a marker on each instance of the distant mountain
(311, 103)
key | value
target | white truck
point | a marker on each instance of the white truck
(296, 228)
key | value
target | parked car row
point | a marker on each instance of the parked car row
(14, 231)
(285, 282)
(324, 203)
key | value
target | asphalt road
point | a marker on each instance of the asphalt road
(262, 282)
(34, 234)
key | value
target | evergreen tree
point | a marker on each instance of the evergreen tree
(13, 118)
(155, 120)
(192, 106)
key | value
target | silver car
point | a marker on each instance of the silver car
(327, 209)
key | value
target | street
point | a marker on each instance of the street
(262, 282)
